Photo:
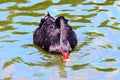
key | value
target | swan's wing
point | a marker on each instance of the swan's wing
(72, 38)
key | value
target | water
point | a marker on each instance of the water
(96, 56)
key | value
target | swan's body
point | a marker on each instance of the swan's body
(55, 36)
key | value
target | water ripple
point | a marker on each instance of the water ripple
(96, 56)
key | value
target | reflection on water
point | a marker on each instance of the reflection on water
(96, 56)
(7, 28)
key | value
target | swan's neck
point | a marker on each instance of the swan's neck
(65, 45)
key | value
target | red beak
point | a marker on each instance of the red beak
(65, 56)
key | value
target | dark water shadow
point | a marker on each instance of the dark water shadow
(96, 9)
(104, 69)
(6, 28)
(94, 34)
(38, 6)
(112, 26)
(80, 66)
(7, 78)
(109, 60)
(87, 65)
(20, 33)
(9, 41)
(73, 3)
(5, 22)
(27, 23)
(106, 3)
(16, 1)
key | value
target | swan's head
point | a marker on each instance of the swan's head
(64, 28)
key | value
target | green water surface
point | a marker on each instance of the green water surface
(96, 56)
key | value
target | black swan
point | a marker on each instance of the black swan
(55, 36)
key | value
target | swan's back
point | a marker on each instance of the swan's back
(46, 34)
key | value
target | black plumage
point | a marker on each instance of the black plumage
(55, 35)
